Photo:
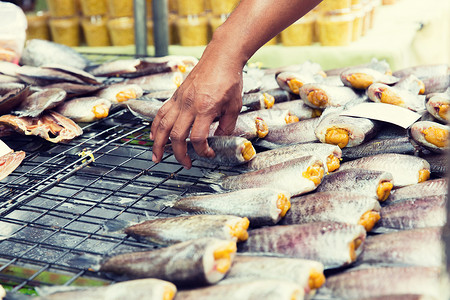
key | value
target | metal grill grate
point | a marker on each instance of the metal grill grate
(53, 207)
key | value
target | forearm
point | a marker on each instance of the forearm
(252, 24)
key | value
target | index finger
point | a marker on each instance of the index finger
(199, 135)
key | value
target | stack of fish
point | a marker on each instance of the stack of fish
(317, 194)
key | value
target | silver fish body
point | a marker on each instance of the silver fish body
(9, 162)
(117, 93)
(405, 169)
(362, 78)
(432, 135)
(331, 206)
(262, 206)
(37, 102)
(297, 108)
(412, 84)
(414, 247)
(423, 71)
(382, 93)
(321, 96)
(438, 106)
(158, 82)
(345, 131)
(433, 187)
(438, 164)
(74, 89)
(195, 262)
(144, 109)
(329, 154)
(436, 84)
(297, 176)
(43, 76)
(85, 109)
(12, 94)
(82, 75)
(376, 184)
(331, 243)
(384, 281)
(292, 81)
(248, 126)
(248, 290)
(413, 213)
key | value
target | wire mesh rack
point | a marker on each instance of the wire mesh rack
(53, 207)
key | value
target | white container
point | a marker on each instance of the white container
(13, 26)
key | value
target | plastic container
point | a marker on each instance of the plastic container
(300, 33)
(13, 25)
(221, 7)
(95, 31)
(173, 6)
(120, 8)
(62, 8)
(335, 29)
(334, 6)
(150, 40)
(190, 7)
(93, 7)
(65, 31)
(358, 22)
(121, 31)
(38, 26)
(193, 30)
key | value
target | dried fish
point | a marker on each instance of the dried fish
(294, 133)
(158, 82)
(293, 81)
(248, 290)
(262, 206)
(281, 95)
(382, 93)
(40, 101)
(414, 247)
(438, 164)
(405, 169)
(42, 76)
(331, 243)
(171, 230)
(247, 126)
(438, 106)
(321, 96)
(433, 187)
(85, 109)
(402, 297)
(296, 176)
(130, 68)
(258, 100)
(117, 93)
(195, 262)
(412, 84)
(423, 71)
(330, 155)
(74, 89)
(160, 95)
(8, 68)
(9, 162)
(331, 206)
(298, 108)
(400, 145)
(229, 151)
(413, 213)
(40, 52)
(272, 117)
(150, 288)
(306, 273)
(362, 78)
(436, 84)
(376, 184)
(11, 95)
(345, 131)
(384, 281)
(82, 75)
(431, 135)
(9, 79)
(144, 109)
(50, 126)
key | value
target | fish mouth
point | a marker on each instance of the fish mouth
(385, 95)
(262, 129)
(314, 173)
(360, 80)
(442, 111)
(436, 136)
(318, 98)
(316, 279)
(291, 119)
(269, 100)
(333, 163)
(295, 85)
(283, 204)
(239, 228)
(383, 190)
(248, 151)
(337, 136)
(424, 175)
(369, 219)
(354, 247)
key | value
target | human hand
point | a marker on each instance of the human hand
(213, 89)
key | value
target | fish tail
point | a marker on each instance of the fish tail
(115, 225)
(87, 261)
(16, 296)
(165, 201)
(214, 179)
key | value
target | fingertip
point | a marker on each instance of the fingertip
(186, 162)
(151, 135)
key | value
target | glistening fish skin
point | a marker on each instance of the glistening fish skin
(297, 108)
(345, 207)
(188, 263)
(413, 213)
(438, 106)
(144, 109)
(415, 247)
(433, 187)
(9, 162)
(331, 243)
(36, 103)
(262, 206)
(150, 288)
(383, 281)
(400, 145)
(85, 109)
(259, 289)
(356, 180)
(322, 95)
(168, 231)
(423, 71)
(432, 135)
(382, 93)
(362, 78)
(438, 164)
(297, 176)
(405, 169)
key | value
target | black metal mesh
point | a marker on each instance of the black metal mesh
(54, 205)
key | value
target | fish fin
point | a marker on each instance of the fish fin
(214, 179)
(16, 296)
(164, 201)
(138, 115)
(45, 291)
(115, 225)
(87, 261)
(383, 230)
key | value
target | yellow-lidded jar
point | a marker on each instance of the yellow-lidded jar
(220, 7)
(121, 31)
(95, 31)
(215, 21)
(173, 6)
(190, 7)
(150, 40)
(62, 8)
(38, 26)
(193, 30)
(120, 8)
(335, 29)
(358, 22)
(334, 5)
(93, 7)
(65, 31)
(300, 33)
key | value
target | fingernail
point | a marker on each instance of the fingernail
(151, 136)
(154, 158)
